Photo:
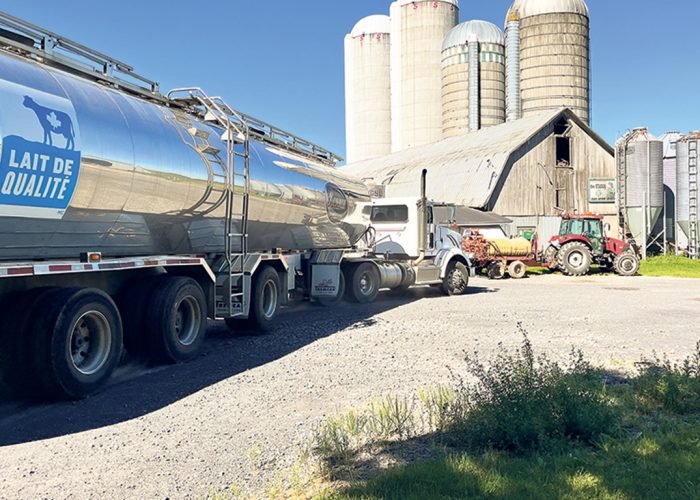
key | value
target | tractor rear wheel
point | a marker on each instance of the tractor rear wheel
(626, 264)
(575, 259)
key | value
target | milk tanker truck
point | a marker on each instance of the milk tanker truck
(129, 217)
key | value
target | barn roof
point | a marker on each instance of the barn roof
(464, 170)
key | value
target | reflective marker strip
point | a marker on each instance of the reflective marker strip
(65, 268)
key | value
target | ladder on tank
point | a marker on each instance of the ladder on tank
(232, 286)
(693, 243)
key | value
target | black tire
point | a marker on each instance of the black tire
(364, 283)
(264, 301)
(575, 259)
(456, 280)
(331, 301)
(551, 257)
(133, 301)
(15, 340)
(496, 270)
(626, 264)
(517, 270)
(175, 320)
(77, 342)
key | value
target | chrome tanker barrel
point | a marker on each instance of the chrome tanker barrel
(85, 167)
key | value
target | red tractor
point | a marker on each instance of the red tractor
(582, 242)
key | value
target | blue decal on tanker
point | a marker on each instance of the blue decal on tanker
(53, 122)
(40, 174)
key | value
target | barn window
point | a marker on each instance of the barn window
(563, 150)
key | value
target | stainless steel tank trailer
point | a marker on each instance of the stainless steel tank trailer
(128, 217)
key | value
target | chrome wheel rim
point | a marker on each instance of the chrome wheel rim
(187, 320)
(90, 342)
(269, 299)
(366, 284)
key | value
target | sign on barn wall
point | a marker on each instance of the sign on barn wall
(602, 191)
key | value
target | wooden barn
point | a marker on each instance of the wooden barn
(531, 171)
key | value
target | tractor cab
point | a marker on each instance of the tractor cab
(582, 241)
(589, 227)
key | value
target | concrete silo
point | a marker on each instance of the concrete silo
(641, 187)
(687, 191)
(419, 28)
(552, 70)
(368, 89)
(473, 78)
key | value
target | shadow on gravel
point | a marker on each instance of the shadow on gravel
(138, 390)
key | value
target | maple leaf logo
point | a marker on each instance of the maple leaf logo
(54, 121)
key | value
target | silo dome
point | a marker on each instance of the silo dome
(553, 40)
(371, 25)
(480, 31)
(473, 78)
(418, 29)
(527, 8)
(368, 89)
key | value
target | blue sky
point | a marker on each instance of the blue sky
(282, 60)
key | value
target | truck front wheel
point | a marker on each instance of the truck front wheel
(364, 283)
(456, 279)
(77, 340)
(176, 320)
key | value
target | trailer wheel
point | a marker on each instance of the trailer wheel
(264, 301)
(456, 280)
(76, 340)
(364, 283)
(176, 320)
(496, 270)
(15, 341)
(626, 264)
(575, 259)
(133, 302)
(517, 270)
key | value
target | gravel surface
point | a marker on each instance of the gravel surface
(179, 431)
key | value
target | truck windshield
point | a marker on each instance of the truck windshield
(389, 214)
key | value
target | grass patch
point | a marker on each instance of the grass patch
(671, 266)
(528, 427)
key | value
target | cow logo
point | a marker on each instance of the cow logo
(336, 203)
(39, 163)
(53, 122)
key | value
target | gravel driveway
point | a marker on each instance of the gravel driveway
(179, 431)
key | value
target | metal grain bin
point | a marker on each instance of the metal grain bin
(686, 186)
(640, 154)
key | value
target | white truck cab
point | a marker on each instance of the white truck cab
(409, 247)
(396, 222)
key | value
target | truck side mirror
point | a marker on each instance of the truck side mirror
(608, 228)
